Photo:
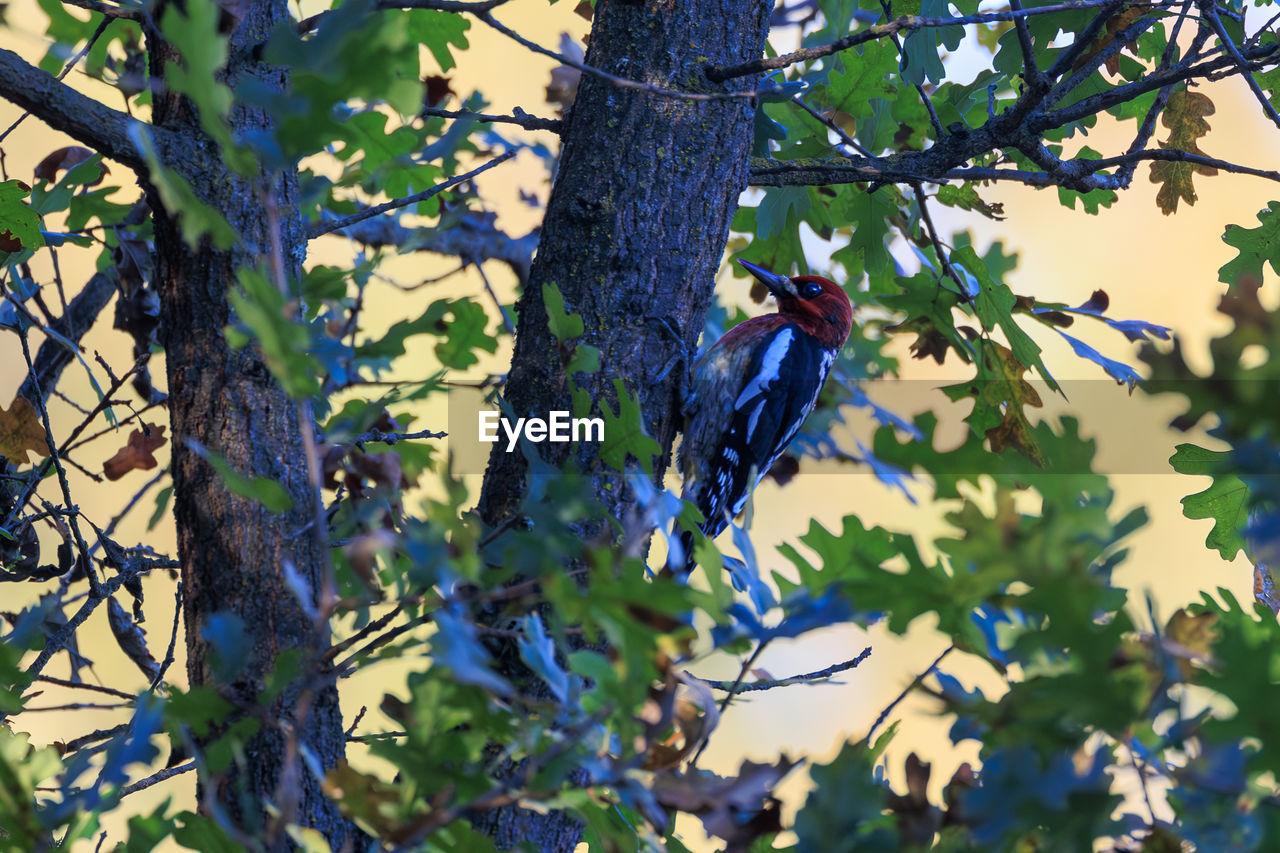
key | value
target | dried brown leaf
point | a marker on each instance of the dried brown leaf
(20, 431)
(138, 454)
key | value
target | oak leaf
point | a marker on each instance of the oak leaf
(66, 159)
(20, 431)
(138, 454)
(1185, 118)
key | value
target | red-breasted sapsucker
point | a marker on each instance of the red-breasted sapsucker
(751, 391)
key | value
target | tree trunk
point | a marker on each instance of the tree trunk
(234, 551)
(634, 233)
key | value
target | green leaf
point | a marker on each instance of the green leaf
(994, 305)
(437, 32)
(264, 490)
(848, 806)
(562, 325)
(465, 334)
(286, 346)
(357, 54)
(965, 197)
(867, 74)
(1091, 201)
(585, 359)
(624, 433)
(196, 218)
(193, 29)
(93, 204)
(1226, 501)
(780, 211)
(19, 224)
(203, 834)
(1000, 397)
(1256, 246)
(162, 504)
(929, 314)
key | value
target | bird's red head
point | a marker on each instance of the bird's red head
(815, 304)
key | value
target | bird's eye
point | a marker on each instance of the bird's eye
(810, 289)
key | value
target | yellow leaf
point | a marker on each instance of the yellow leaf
(1185, 118)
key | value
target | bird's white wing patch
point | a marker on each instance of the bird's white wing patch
(770, 366)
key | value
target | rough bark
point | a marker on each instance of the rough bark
(234, 552)
(638, 217)
(634, 233)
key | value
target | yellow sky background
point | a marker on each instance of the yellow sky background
(1157, 268)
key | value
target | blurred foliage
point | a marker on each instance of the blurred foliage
(1114, 729)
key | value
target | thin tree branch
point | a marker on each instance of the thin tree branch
(493, 294)
(52, 357)
(1083, 39)
(473, 6)
(376, 436)
(938, 130)
(830, 124)
(517, 117)
(155, 778)
(84, 685)
(1148, 126)
(110, 10)
(63, 108)
(73, 520)
(915, 682)
(473, 239)
(903, 23)
(1185, 70)
(319, 229)
(1030, 70)
(1177, 155)
(806, 678)
(1211, 13)
(66, 69)
(1078, 174)
(613, 79)
(173, 639)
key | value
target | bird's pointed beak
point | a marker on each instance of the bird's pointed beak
(779, 285)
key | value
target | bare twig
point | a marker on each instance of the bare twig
(54, 459)
(154, 778)
(831, 125)
(1148, 126)
(1030, 70)
(732, 691)
(111, 10)
(493, 294)
(84, 685)
(518, 117)
(377, 436)
(814, 677)
(915, 682)
(323, 227)
(173, 639)
(1079, 174)
(613, 79)
(66, 69)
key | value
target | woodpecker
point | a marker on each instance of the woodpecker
(752, 389)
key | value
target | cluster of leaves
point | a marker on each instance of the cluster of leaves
(607, 722)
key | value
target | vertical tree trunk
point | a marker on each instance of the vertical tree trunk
(634, 233)
(234, 552)
(638, 217)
